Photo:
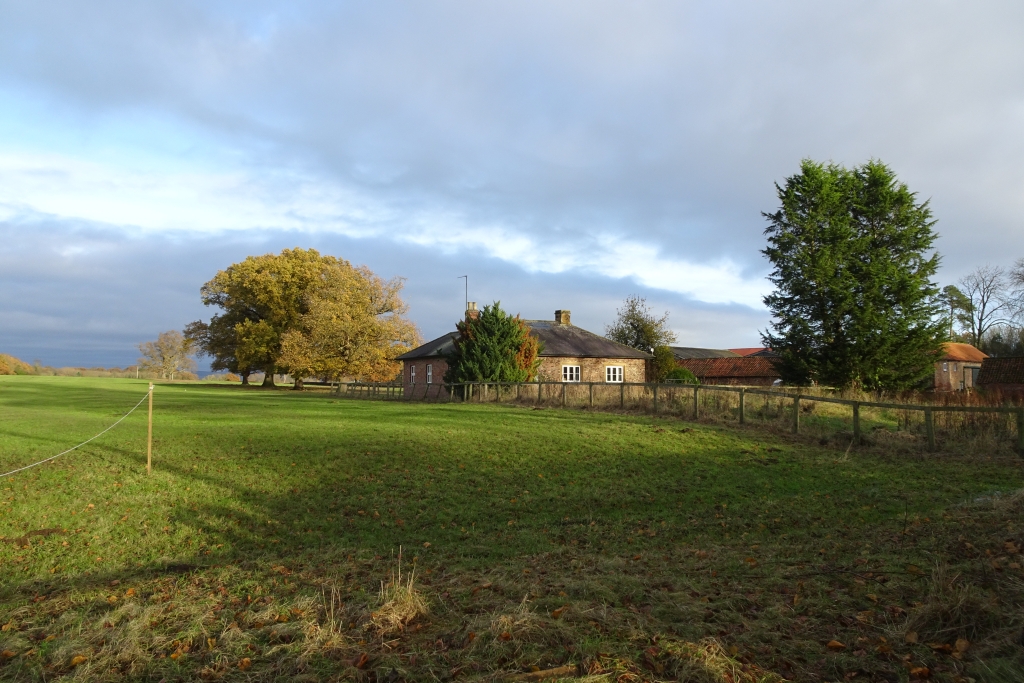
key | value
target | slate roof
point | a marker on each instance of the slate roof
(962, 353)
(754, 351)
(749, 366)
(556, 340)
(684, 352)
(434, 348)
(1001, 371)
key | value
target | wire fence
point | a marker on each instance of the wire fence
(121, 419)
(953, 425)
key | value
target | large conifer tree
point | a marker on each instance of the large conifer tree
(854, 304)
(493, 347)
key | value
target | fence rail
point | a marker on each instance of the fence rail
(982, 425)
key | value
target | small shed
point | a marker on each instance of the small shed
(958, 367)
(1002, 374)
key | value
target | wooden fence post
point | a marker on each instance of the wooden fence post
(519, 388)
(1020, 430)
(540, 391)
(148, 442)
(796, 414)
(563, 394)
(929, 427)
(591, 394)
(655, 399)
(696, 388)
(622, 395)
(856, 422)
(743, 396)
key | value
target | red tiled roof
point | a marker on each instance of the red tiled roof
(751, 366)
(962, 352)
(1002, 371)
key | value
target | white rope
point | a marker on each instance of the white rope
(22, 469)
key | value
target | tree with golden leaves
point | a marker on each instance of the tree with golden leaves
(353, 326)
(306, 298)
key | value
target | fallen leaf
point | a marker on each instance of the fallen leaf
(911, 637)
(129, 593)
(211, 643)
(835, 645)
(244, 663)
(872, 597)
(427, 544)
(920, 672)
(7, 654)
(941, 647)
(962, 644)
(559, 612)
(78, 659)
(505, 635)
(361, 661)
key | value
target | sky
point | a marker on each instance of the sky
(562, 155)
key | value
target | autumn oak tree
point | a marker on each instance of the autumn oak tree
(281, 312)
(352, 326)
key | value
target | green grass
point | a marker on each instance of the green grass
(257, 548)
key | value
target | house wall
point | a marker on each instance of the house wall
(954, 375)
(420, 388)
(592, 369)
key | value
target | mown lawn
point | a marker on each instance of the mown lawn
(631, 547)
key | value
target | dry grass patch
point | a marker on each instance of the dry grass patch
(400, 603)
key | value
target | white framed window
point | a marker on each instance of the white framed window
(945, 367)
(430, 373)
(412, 374)
(613, 373)
(570, 373)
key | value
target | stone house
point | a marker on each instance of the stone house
(958, 367)
(568, 354)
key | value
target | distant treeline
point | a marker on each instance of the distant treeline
(9, 365)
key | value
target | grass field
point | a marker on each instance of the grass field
(629, 547)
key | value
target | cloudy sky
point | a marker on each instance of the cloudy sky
(561, 154)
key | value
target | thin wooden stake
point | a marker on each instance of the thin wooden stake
(856, 422)
(743, 397)
(149, 438)
(929, 427)
(796, 414)
(1020, 430)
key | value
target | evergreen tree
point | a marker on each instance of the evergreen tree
(854, 303)
(493, 347)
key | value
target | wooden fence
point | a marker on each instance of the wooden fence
(781, 407)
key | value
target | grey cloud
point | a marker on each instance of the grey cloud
(664, 122)
(86, 294)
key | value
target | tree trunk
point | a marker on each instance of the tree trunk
(268, 379)
(245, 378)
(298, 384)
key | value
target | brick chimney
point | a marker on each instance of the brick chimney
(562, 317)
(471, 312)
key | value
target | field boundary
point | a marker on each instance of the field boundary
(149, 395)
(682, 400)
